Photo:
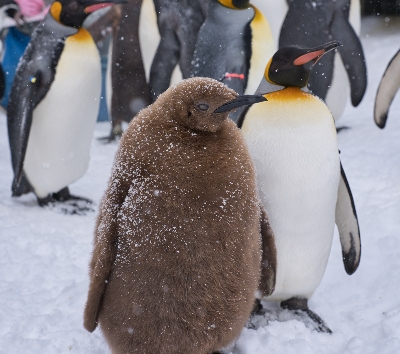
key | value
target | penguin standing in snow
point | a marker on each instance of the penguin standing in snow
(127, 89)
(302, 185)
(309, 23)
(233, 45)
(54, 102)
(177, 246)
(388, 87)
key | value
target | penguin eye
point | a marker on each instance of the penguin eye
(203, 106)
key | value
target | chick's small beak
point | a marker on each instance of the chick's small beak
(245, 100)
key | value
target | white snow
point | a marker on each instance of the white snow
(44, 254)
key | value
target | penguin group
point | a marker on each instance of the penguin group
(225, 190)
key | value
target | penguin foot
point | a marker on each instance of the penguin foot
(257, 309)
(67, 203)
(76, 207)
(63, 195)
(300, 307)
(116, 133)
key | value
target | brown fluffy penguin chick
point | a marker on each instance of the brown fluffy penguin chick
(177, 244)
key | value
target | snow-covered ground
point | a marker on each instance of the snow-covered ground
(44, 254)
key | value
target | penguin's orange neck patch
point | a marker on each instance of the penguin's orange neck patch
(55, 10)
(82, 36)
(288, 94)
(258, 16)
(266, 72)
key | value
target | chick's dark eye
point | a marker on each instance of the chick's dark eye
(203, 106)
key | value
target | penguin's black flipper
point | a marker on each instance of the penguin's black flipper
(164, 62)
(347, 223)
(387, 89)
(33, 78)
(351, 53)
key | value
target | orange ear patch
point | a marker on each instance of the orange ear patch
(55, 10)
(308, 57)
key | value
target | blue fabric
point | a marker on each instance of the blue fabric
(103, 112)
(15, 44)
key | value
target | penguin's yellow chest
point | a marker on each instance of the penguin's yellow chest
(63, 122)
(291, 108)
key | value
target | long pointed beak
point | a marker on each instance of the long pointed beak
(316, 53)
(94, 5)
(245, 100)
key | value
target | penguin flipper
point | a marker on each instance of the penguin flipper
(347, 223)
(106, 234)
(387, 89)
(20, 144)
(352, 53)
(164, 62)
(269, 256)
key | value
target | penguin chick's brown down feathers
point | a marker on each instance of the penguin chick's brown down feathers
(177, 250)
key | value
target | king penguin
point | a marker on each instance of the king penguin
(233, 45)
(54, 103)
(388, 87)
(310, 23)
(178, 23)
(302, 185)
(177, 244)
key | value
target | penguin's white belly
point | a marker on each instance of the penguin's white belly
(294, 146)
(63, 122)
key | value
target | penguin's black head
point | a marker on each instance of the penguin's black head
(291, 65)
(235, 4)
(203, 104)
(72, 13)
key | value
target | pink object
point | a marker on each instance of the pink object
(31, 8)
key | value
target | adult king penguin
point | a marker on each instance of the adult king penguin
(388, 87)
(177, 244)
(233, 45)
(54, 103)
(178, 23)
(311, 23)
(301, 182)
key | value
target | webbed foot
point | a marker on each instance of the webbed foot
(67, 203)
(300, 307)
